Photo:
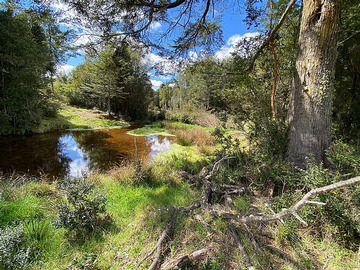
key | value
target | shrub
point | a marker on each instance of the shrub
(207, 119)
(194, 136)
(13, 252)
(345, 157)
(84, 209)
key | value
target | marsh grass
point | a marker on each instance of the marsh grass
(192, 135)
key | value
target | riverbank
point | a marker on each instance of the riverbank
(69, 117)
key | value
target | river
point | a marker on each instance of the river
(76, 153)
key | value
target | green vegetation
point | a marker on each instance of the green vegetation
(111, 221)
(69, 117)
(131, 209)
(153, 129)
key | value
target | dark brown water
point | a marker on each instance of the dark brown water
(74, 153)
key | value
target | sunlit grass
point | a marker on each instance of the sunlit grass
(69, 117)
(149, 130)
(138, 213)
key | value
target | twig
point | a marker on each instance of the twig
(166, 234)
(186, 260)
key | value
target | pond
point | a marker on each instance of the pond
(75, 153)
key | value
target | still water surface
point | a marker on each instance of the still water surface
(74, 153)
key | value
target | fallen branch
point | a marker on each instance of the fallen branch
(165, 236)
(294, 209)
(241, 247)
(204, 176)
(187, 260)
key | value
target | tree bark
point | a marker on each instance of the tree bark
(313, 84)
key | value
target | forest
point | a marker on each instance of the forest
(262, 162)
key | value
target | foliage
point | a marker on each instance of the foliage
(345, 157)
(14, 254)
(114, 81)
(346, 107)
(83, 211)
(26, 62)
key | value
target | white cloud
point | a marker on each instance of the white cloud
(193, 56)
(66, 68)
(163, 64)
(155, 25)
(67, 14)
(229, 48)
(156, 84)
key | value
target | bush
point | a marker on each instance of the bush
(14, 254)
(345, 157)
(84, 209)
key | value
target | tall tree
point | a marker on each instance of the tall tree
(23, 58)
(313, 87)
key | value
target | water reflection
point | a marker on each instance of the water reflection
(78, 164)
(157, 145)
(72, 154)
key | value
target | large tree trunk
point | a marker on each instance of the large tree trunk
(313, 84)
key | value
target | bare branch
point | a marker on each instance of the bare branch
(166, 234)
(241, 247)
(294, 209)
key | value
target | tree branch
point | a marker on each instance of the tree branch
(294, 209)
(271, 34)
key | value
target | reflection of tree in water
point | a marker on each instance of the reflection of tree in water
(101, 154)
(33, 155)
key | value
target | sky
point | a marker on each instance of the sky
(233, 27)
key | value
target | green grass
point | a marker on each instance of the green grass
(149, 130)
(14, 210)
(69, 117)
(138, 213)
(140, 210)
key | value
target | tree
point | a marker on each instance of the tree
(114, 80)
(313, 83)
(313, 87)
(23, 58)
(347, 94)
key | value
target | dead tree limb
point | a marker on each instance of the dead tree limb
(294, 209)
(168, 231)
(187, 260)
(235, 236)
(165, 236)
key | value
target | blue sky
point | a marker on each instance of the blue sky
(233, 27)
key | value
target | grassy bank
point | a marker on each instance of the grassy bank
(69, 117)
